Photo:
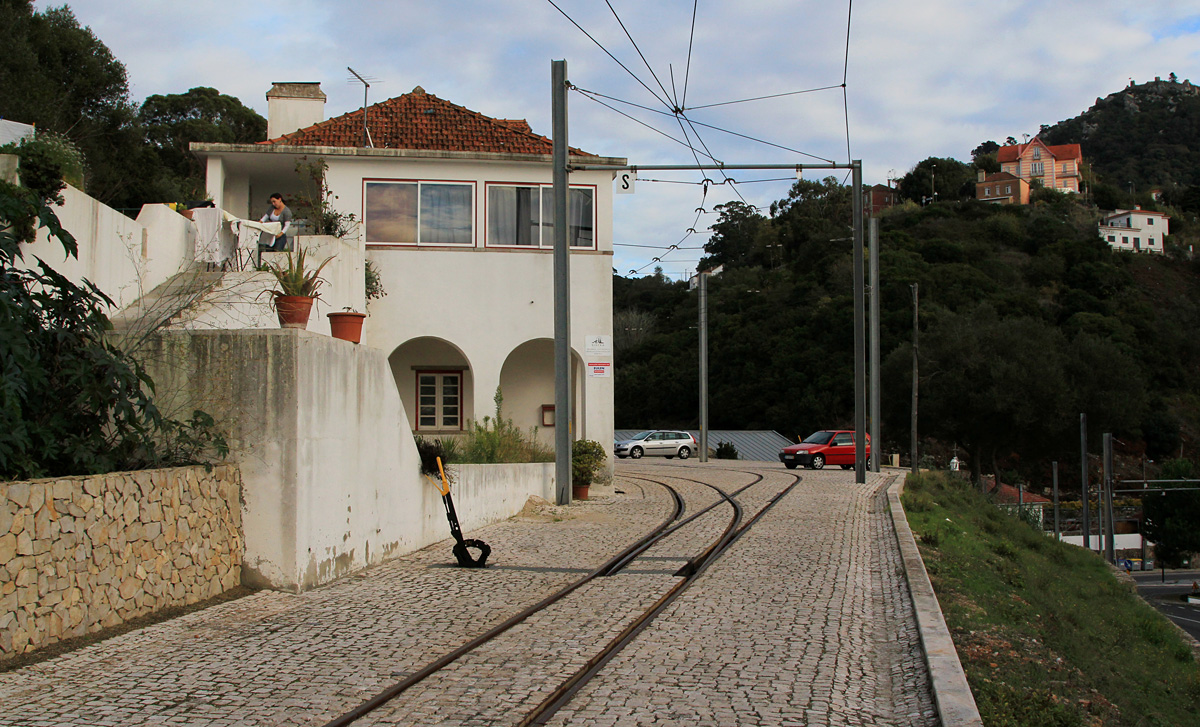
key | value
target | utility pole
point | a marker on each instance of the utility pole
(1110, 542)
(873, 236)
(1083, 463)
(860, 332)
(562, 289)
(913, 427)
(1054, 475)
(703, 365)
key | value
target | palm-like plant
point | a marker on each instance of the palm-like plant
(294, 278)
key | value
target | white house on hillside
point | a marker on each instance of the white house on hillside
(456, 215)
(1137, 230)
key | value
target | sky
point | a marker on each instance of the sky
(922, 79)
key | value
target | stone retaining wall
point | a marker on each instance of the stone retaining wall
(78, 554)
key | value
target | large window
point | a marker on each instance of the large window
(418, 213)
(439, 400)
(524, 216)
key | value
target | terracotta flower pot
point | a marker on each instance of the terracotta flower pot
(346, 326)
(293, 310)
(579, 492)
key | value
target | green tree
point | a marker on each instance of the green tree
(60, 76)
(952, 180)
(172, 121)
(1169, 520)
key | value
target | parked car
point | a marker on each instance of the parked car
(828, 446)
(667, 443)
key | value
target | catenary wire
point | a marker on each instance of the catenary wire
(640, 54)
(610, 55)
(688, 70)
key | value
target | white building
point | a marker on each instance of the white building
(1137, 230)
(456, 215)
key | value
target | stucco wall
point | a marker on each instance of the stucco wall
(330, 466)
(124, 258)
(78, 554)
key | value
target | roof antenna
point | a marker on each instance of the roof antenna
(366, 87)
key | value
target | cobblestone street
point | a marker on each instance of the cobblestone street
(805, 620)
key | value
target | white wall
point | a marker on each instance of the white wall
(124, 258)
(330, 468)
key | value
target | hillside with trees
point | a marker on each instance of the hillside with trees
(1027, 319)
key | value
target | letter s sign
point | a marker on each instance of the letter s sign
(625, 182)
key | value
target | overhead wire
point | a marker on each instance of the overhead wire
(677, 108)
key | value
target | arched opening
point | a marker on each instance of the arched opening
(435, 384)
(527, 382)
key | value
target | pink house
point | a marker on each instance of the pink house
(1056, 167)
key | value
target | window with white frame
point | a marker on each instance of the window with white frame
(987, 191)
(523, 216)
(419, 213)
(1037, 152)
(1037, 169)
(439, 400)
(1008, 189)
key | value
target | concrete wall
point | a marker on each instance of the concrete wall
(78, 554)
(125, 258)
(330, 466)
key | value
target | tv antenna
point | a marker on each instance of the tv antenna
(366, 87)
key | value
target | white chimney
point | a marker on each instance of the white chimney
(293, 106)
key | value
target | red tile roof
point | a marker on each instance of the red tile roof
(1009, 495)
(1001, 177)
(422, 121)
(1061, 151)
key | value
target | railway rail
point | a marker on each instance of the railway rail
(704, 535)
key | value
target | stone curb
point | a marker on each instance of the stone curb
(951, 693)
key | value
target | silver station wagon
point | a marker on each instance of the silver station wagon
(667, 443)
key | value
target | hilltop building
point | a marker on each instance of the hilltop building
(1055, 167)
(1135, 230)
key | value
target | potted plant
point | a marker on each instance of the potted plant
(297, 287)
(587, 457)
(346, 324)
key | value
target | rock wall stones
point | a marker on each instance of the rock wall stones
(79, 554)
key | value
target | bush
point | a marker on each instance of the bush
(726, 450)
(71, 403)
(499, 440)
(587, 458)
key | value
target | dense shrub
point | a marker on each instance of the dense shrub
(71, 403)
(497, 439)
(587, 457)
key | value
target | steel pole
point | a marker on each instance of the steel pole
(703, 367)
(860, 333)
(913, 413)
(1110, 542)
(1087, 522)
(1054, 475)
(873, 230)
(562, 292)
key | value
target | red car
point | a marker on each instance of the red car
(829, 446)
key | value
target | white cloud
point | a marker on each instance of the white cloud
(924, 79)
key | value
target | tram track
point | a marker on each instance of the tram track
(620, 563)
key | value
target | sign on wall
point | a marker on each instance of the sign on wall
(600, 370)
(598, 345)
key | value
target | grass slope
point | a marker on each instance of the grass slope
(1047, 634)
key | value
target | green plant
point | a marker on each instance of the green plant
(295, 278)
(315, 201)
(497, 439)
(373, 283)
(587, 458)
(726, 450)
(47, 161)
(71, 402)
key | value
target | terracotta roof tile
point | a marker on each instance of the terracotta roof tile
(422, 121)
(1012, 153)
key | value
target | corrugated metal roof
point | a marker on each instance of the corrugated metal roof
(756, 446)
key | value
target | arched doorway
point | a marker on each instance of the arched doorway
(527, 383)
(435, 383)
